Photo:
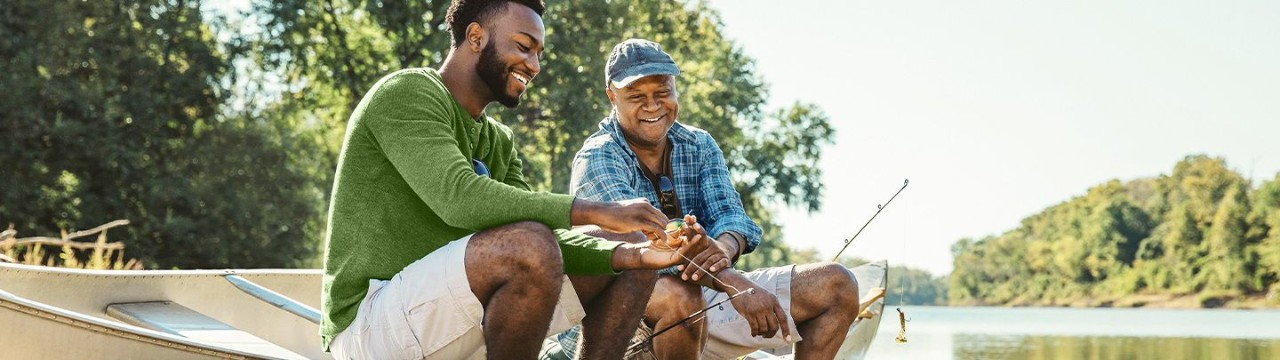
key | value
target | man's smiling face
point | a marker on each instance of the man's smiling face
(509, 60)
(647, 108)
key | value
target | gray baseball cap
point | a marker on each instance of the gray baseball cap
(636, 58)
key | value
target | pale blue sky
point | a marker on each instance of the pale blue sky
(998, 109)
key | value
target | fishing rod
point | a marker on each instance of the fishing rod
(636, 348)
(648, 341)
(879, 208)
(674, 227)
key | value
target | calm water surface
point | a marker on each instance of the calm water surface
(1058, 333)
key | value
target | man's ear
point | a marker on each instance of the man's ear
(477, 37)
(608, 91)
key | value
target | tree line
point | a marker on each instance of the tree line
(1203, 231)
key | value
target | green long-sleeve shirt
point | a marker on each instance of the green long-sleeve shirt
(405, 186)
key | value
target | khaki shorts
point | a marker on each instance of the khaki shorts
(403, 319)
(730, 333)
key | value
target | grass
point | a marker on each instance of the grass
(67, 253)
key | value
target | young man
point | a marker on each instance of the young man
(436, 247)
(641, 150)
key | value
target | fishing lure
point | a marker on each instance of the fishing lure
(902, 327)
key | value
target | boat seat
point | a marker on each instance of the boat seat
(865, 303)
(173, 318)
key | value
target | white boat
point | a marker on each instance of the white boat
(56, 313)
(48, 313)
(872, 280)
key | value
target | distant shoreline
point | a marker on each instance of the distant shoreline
(1154, 301)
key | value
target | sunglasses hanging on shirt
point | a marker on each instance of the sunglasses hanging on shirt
(668, 202)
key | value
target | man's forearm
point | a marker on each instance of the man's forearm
(625, 257)
(732, 245)
(583, 212)
(730, 277)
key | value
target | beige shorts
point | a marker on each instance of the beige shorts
(730, 333)
(408, 318)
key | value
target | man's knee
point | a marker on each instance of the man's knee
(527, 246)
(673, 295)
(537, 236)
(646, 278)
(836, 281)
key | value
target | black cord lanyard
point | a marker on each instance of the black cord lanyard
(668, 201)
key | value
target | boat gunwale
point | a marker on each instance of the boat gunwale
(164, 273)
(118, 329)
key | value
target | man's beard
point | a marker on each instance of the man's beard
(494, 75)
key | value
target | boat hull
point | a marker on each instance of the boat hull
(62, 313)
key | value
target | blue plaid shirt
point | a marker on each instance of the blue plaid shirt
(607, 170)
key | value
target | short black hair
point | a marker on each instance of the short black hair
(464, 12)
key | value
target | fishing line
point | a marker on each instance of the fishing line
(902, 317)
(906, 218)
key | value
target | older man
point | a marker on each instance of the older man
(641, 150)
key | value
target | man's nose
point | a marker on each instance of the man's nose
(651, 104)
(532, 63)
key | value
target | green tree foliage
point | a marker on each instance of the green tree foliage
(115, 110)
(1264, 235)
(328, 53)
(1196, 230)
(908, 286)
(1224, 265)
(331, 52)
(217, 136)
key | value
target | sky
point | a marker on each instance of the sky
(997, 109)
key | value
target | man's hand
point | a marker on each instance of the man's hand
(761, 309)
(621, 217)
(713, 259)
(658, 254)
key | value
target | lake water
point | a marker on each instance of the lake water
(1066, 333)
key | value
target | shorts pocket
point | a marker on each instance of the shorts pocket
(392, 337)
(435, 325)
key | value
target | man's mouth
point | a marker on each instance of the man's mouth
(523, 79)
(653, 119)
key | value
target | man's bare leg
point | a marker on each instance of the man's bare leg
(517, 267)
(824, 303)
(614, 305)
(672, 301)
